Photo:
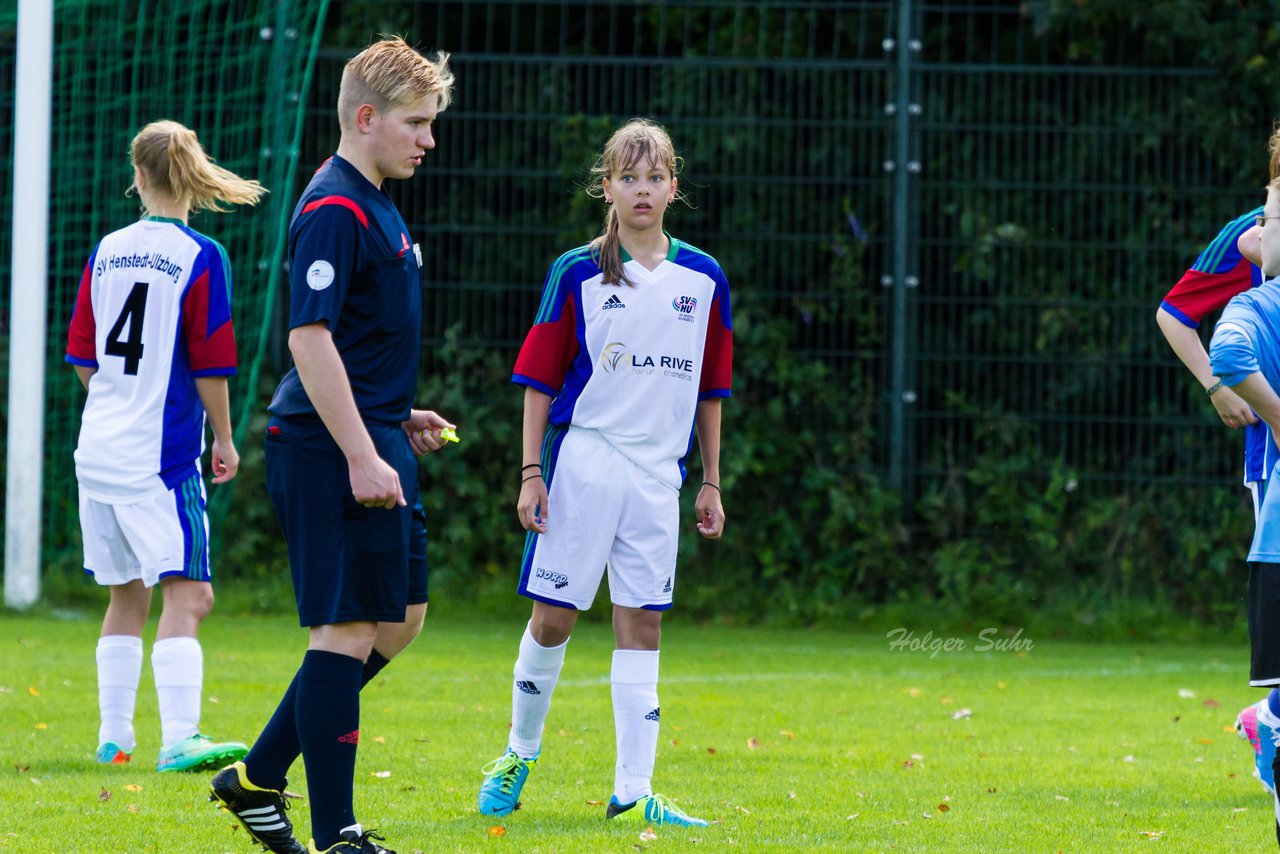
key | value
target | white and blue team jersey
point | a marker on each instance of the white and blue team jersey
(631, 363)
(1246, 340)
(153, 313)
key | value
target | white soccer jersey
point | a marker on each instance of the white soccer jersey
(152, 314)
(632, 362)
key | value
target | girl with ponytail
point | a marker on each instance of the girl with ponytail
(628, 358)
(152, 343)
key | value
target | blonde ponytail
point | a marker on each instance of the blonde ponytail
(175, 163)
(606, 252)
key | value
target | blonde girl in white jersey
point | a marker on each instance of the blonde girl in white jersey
(152, 342)
(629, 356)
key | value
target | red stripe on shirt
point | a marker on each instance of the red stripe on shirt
(717, 354)
(1197, 294)
(81, 343)
(212, 351)
(338, 200)
(550, 348)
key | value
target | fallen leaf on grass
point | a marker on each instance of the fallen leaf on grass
(944, 807)
(131, 808)
(382, 774)
(912, 692)
(791, 795)
(1061, 798)
(925, 815)
(36, 780)
(947, 701)
(711, 750)
(497, 830)
(1151, 834)
(852, 817)
(133, 787)
(1225, 727)
(1206, 741)
(907, 763)
(1186, 693)
(213, 700)
(595, 803)
(740, 808)
(42, 726)
(647, 835)
(991, 790)
(959, 714)
(1211, 703)
(753, 743)
(787, 734)
(33, 691)
(104, 795)
(22, 769)
(675, 742)
(1240, 809)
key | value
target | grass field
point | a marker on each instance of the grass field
(791, 740)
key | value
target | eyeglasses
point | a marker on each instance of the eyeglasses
(1261, 221)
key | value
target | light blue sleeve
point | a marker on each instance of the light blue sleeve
(1233, 355)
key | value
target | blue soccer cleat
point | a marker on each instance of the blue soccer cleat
(652, 809)
(1262, 739)
(503, 779)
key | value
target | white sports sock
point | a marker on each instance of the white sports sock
(178, 664)
(119, 669)
(1264, 713)
(536, 672)
(635, 720)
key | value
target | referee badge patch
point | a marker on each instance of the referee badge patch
(320, 275)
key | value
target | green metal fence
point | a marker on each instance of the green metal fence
(963, 225)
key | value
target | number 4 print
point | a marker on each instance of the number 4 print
(135, 307)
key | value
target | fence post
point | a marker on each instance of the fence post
(903, 168)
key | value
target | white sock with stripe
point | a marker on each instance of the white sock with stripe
(178, 664)
(634, 680)
(119, 669)
(536, 673)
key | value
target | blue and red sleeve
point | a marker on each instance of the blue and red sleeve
(1217, 275)
(717, 353)
(552, 343)
(82, 346)
(206, 316)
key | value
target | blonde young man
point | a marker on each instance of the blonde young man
(340, 448)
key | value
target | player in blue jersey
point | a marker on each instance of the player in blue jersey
(1245, 354)
(152, 342)
(1228, 266)
(628, 359)
(341, 445)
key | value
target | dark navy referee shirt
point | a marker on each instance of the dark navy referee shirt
(353, 267)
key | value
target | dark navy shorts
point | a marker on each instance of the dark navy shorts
(1264, 624)
(349, 563)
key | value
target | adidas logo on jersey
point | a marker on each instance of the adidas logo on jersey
(613, 302)
(653, 716)
(528, 687)
(666, 588)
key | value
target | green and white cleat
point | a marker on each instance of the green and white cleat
(652, 809)
(199, 752)
(503, 781)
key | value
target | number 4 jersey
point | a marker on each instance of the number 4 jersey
(152, 314)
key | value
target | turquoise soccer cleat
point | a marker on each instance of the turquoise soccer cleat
(652, 809)
(504, 779)
(199, 752)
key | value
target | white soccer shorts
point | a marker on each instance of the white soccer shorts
(604, 510)
(167, 535)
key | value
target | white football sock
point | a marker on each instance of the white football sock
(635, 720)
(119, 669)
(178, 664)
(536, 672)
